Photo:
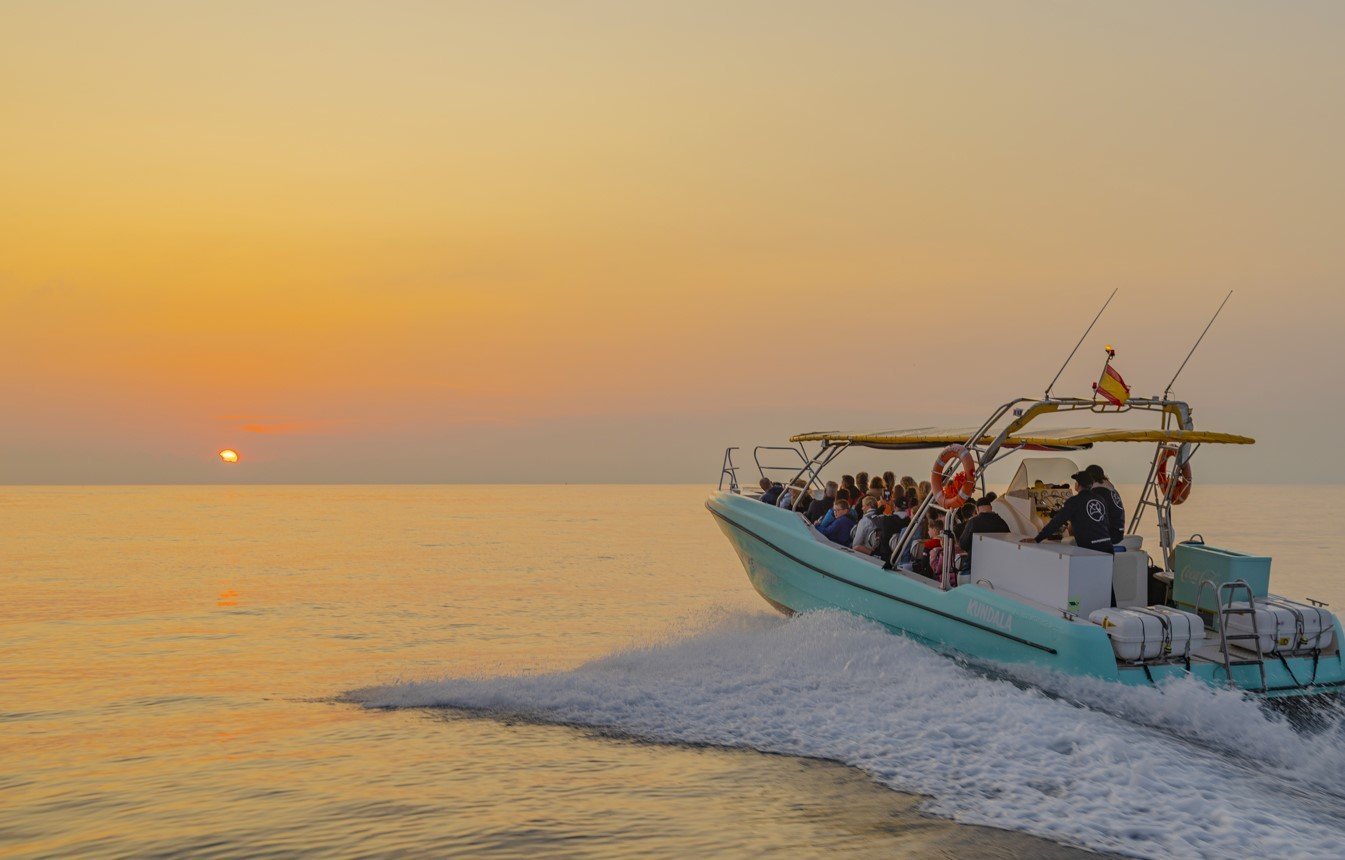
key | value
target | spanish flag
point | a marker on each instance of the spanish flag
(1112, 387)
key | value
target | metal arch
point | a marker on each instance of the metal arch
(811, 465)
(816, 464)
(1171, 410)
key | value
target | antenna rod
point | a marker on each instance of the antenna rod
(1168, 390)
(1079, 344)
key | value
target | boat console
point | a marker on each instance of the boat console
(1039, 488)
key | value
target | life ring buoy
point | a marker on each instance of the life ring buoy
(1182, 477)
(959, 488)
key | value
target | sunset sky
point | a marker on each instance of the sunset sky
(574, 241)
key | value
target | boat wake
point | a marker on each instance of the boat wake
(1185, 772)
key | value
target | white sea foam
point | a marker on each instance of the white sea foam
(1186, 772)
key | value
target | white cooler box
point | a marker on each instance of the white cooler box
(1061, 576)
(1150, 632)
(1284, 626)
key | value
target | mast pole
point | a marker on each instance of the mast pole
(1168, 391)
(1077, 345)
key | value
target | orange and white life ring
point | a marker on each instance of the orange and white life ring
(958, 489)
(1182, 487)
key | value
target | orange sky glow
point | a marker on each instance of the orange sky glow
(601, 241)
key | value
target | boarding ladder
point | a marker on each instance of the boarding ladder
(1225, 609)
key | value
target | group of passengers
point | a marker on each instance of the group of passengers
(872, 521)
(867, 520)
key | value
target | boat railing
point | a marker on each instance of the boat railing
(774, 470)
(1154, 496)
(1022, 411)
(986, 450)
(984, 456)
(730, 471)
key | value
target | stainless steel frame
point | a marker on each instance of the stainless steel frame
(1024, 410)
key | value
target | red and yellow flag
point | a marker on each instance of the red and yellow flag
(1111, 387)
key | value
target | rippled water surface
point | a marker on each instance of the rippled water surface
(567, 671)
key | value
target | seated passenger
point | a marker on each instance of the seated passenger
(865, 537)
(986, 521)
(1086, 513)
(1116, 511)
(770, 490)
(890, 529)
(963, 516)
(819, 507)
(788, 499)
(842, 525)
(848, 484)
(877, 488)
(803, 500)
(923, 558)
(830, 515)
(917, 529)
(920, 552)
(922, 490)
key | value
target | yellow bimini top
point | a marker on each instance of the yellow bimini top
(1061, 439)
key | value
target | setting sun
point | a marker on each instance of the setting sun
(229, 455)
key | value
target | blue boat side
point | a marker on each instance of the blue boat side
(795, 569)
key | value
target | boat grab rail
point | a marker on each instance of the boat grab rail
(789, 470)
(809, 466)
(730, 471)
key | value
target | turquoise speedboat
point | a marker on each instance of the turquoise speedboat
(1190, 609)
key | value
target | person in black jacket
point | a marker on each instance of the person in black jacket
(1086, 513)
(1116, 511)
(986, 521)
(819, 507)
(770, 490)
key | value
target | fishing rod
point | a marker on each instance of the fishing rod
(1079, 344)
(1168, 390)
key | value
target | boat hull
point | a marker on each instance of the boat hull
(795, 570)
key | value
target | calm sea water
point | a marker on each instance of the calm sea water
(231, 671)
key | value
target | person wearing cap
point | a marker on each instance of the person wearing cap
(1116, 512)
(1086, 513)
(986, 521)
